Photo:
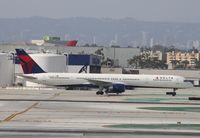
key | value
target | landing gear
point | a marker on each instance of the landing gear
(172, 93)
(107, 90)
(99, 93)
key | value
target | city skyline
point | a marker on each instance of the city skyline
(123, 32)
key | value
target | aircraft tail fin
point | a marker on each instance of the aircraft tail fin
(28, 64)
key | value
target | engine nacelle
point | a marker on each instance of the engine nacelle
(117, 88)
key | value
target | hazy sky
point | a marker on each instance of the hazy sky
(150, 10)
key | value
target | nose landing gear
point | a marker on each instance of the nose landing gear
(172, 93)
(99, 93)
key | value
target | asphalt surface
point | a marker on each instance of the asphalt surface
(61, 113)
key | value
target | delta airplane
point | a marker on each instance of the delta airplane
(107, 83)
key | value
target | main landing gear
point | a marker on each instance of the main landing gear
(172, 93)
(99, 93)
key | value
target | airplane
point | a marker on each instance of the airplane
(107, 83)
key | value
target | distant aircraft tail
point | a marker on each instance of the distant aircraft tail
(28, 64)
(72, 43)
(83, 69)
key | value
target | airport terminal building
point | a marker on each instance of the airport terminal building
(120, 55)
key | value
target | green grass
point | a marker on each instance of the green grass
(186, 109)
(154, 99)
(158, 126)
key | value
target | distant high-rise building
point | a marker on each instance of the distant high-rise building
(115, 41)
(195, 44)
(144, 38)
(94, 40)
(151, 42)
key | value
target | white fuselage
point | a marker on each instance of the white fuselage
(65, 79)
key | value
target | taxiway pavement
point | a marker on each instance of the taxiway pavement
(84, 114)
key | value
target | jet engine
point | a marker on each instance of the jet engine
(116, 88)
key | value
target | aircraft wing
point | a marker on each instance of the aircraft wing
(100, 82)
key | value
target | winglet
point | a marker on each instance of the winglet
(28, 64)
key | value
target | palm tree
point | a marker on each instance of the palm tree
(197, 64)
(100, 53)
(185, 63)
(135, 61)
(174, 63)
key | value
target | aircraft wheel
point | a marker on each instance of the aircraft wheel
(174, 94)
(171, 93)
(97, 93)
